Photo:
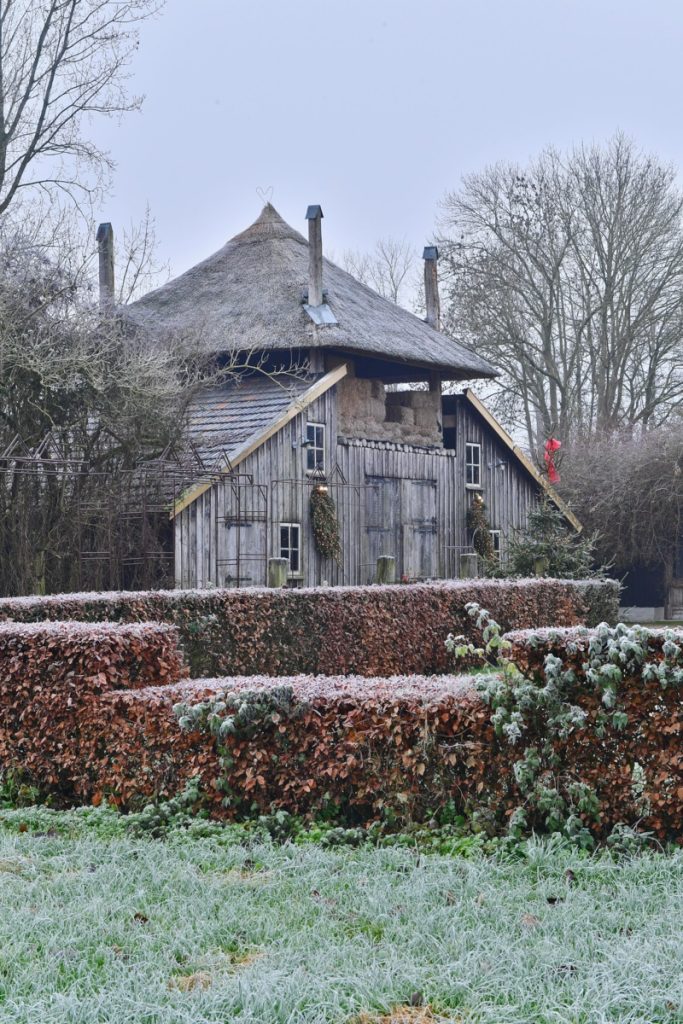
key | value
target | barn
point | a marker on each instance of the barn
(338, 446)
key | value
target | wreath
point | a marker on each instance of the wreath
(479, 526)
(324, 522)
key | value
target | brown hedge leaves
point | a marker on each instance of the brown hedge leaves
(50, 674)
(86, 710)
(370, 631)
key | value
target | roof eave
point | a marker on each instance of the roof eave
(447, 371)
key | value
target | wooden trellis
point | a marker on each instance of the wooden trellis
(68, 525)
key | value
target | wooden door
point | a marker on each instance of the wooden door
(400, 520)
(382, 523)
(418, 511)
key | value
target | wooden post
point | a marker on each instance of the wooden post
(386, 569)
(432, 305)
(469, 566)
(314, 215)
(277, 572)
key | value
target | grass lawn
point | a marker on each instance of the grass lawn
(97, 927)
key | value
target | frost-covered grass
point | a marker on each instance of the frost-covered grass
(97, 927)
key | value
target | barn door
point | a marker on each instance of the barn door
(418, 507)
(382, 523)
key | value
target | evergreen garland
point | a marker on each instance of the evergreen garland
(325, 525)
(478, 524)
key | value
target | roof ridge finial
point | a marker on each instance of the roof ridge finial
(265, 194)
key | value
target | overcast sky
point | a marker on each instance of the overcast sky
(374, 108)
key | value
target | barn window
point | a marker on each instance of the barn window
(290, 545)
(472, 464)
(315, 447)
(495, 540)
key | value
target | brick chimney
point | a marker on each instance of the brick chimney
(314, 216)
(433, 317)
(105, 245)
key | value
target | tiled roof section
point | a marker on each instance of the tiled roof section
(222, 419)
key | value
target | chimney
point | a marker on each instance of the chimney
(105, 245)
(433, 317)
(314, 216)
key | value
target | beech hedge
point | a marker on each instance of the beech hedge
(353, 746)
(369, 631)
(349, 746)
(49, 672)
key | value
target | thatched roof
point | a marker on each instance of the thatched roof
(250, 294)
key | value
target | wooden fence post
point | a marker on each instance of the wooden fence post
(277, 572)
(469, 566)
(386, 569)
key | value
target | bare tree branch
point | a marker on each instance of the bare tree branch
(387, 269)
(628, 488)
(61, 62)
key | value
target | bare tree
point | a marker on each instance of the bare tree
(108, 395)
(138, 268)
(59, 237)
(101, 398)
(61, 63)
(568, 274)
(388, 269)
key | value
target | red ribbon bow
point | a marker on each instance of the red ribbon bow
(551, 446)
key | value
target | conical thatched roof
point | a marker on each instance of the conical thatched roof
(250, 294)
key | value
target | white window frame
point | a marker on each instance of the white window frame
(496, 540)
(315, 447)
(474, 484)
(287, 549)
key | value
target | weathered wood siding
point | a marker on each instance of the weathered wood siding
(507, 489)
(391, 499)
(226, 536)
(399, 501)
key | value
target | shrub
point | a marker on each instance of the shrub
(548, 547)
(567, 744)
(50, 672)
(593, 720)
(371, 631)
(352, 748)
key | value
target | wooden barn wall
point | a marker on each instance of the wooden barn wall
(365, 466)
(507, 489)
(226, 536)
(388, 497)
